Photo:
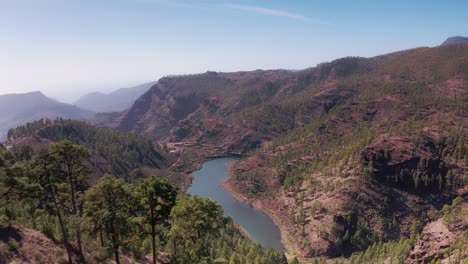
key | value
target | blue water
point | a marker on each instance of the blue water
(207, 183)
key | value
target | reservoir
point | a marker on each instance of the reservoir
(207, 183)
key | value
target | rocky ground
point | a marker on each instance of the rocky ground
(22, 245)
(439, 241)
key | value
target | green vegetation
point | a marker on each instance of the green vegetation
(107, 204)
(390, 252)
(381, 130)
(367, 145)
(157, 198)
(49, 192)
(356, 235)
(454, 213)
(111, 151)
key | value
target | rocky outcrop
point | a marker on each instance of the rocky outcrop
(439, 242)
(434, 240)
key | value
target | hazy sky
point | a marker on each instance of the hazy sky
(66, 48)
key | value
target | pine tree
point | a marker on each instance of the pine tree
(107, 204)
(193, 219)
(71, 158)
(47, 175)
(156, 199)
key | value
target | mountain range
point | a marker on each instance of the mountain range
(359, 160)
(342, 155)
(18, 109)
(116, 101)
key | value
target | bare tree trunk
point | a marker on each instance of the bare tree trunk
(101, 237)
(80, 248)
(62, 225)
(71, 179)
(116, 255)
(114, 242)
(153, 236)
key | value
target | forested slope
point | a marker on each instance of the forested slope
(342, 155)
(375, 164)
(50, 213)
(117, 153)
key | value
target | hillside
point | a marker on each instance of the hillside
(235, 112)
(18, 109)
(116, 101)
(112, 152)
(376, 163)
(341, 155)
(49, 213)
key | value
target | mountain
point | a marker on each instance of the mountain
(341, 156)
(17, 109)
(236, 112)
(114, 102)
(192, 107)
(455, 40)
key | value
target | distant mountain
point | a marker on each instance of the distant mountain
(114, 102)
(455, 40)
(17, 109)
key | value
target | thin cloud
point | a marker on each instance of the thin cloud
(269, 12)
(246, 8)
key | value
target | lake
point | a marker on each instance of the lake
(207, 183)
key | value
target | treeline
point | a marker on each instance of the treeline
(50, 192)
(208, 73)
(124, 152)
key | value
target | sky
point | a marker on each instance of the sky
(67, 48)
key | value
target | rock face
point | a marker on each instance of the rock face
(434, 240)
(455, 40)
(437, 242)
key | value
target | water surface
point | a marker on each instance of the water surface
(207, 183)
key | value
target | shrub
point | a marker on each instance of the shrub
(13, 245)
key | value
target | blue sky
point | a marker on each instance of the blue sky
(66, 48)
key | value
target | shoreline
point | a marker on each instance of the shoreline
(288, 248)
(244, 233)
(198, 164)
(238, 196)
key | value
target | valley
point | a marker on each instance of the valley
(357, 160)
(323, 146)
